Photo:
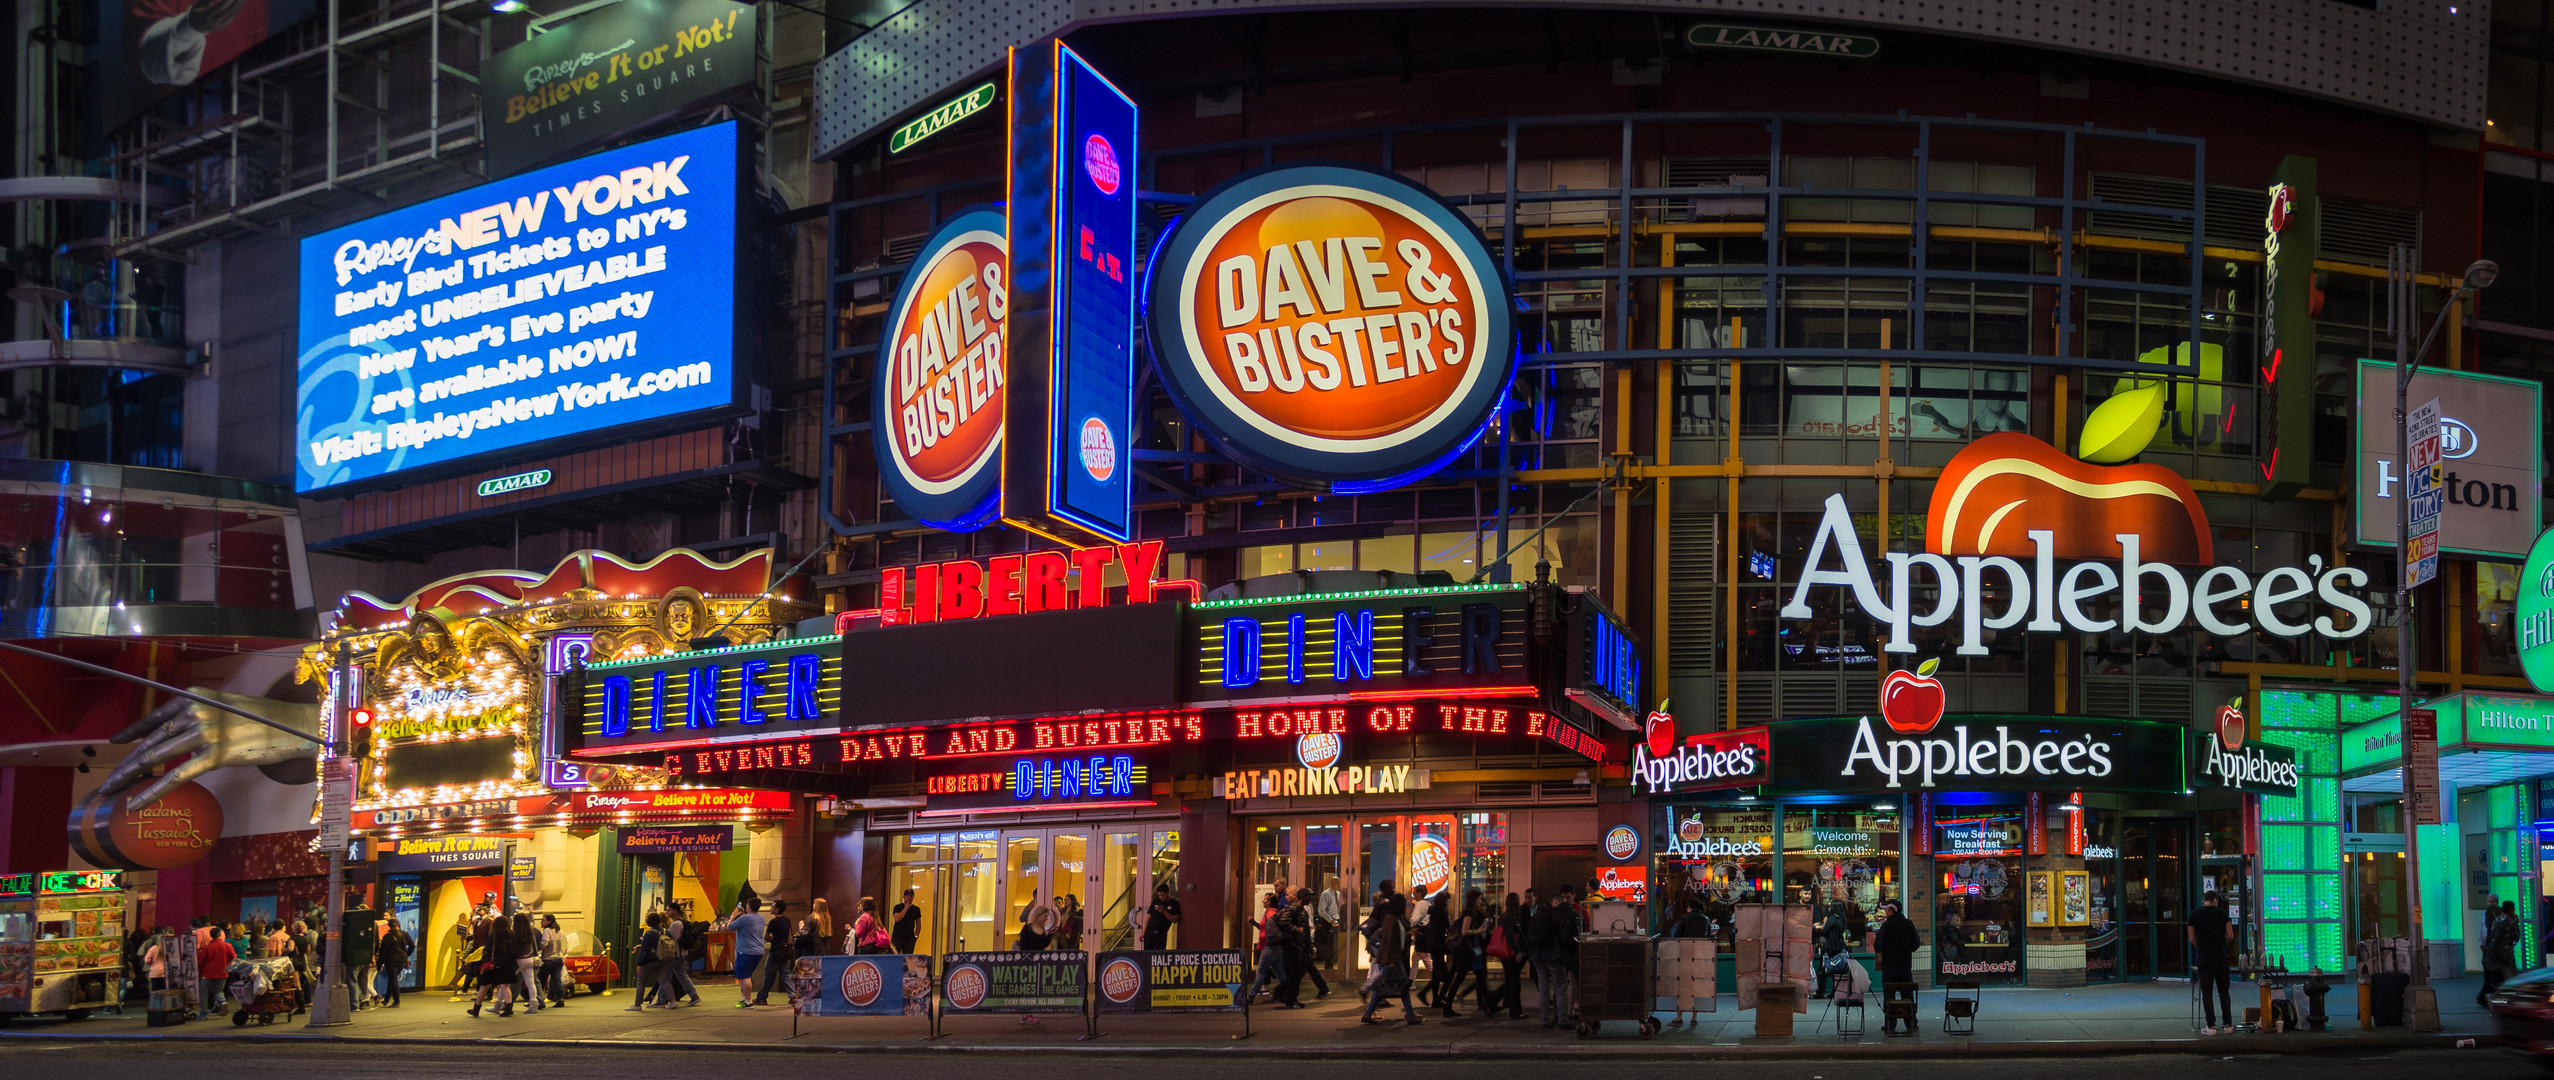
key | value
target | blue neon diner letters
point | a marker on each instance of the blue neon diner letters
(701, 697)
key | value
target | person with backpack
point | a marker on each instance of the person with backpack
(2500, 948)
(654, 950)
(1551, 938)
(1387, 930)
(692, 940)
(1832, 955)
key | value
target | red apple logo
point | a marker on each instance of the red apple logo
(2230, 725)
(1661, 731)
(1912, 701)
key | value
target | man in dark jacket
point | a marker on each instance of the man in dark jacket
(777, 935)
(1895, 943)
(1551, 938)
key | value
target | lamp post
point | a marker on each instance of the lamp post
(2402, 316)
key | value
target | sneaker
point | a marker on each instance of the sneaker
(2208, 1031)
(1028, 1020)
(740, 1005)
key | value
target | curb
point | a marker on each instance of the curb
(1769, 1051)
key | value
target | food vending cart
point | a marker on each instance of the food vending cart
(61, 941)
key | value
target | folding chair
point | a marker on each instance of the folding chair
(1960, 1001)
(1839, 1005)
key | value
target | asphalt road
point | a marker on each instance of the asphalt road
(69, 1060)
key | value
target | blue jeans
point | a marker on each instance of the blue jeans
(1556, 981)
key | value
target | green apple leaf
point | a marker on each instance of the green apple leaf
(1925, 669)
(2122, 427)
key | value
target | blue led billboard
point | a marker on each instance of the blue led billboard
(1093, 484)
(568, 303)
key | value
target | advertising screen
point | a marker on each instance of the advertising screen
(530, 311)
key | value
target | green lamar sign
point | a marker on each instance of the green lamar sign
(2536, 614)
(1778, 39)
(930, 123)
(517, 482)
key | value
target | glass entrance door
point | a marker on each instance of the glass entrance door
(1088, 886)
(2155, 869)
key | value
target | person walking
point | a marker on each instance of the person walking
(906, 920)
(1551, 937)
(1271, 968)
(2211, 932)
(359, 938)
(495, 972)
(213, 962)
(1895, 944)
(2500, 948)
(1435, 921)
(525, 975)
(654, 950)
(1160, 918)
(1387, 930)
(155, 957)
(553, 947)
(1294, 940)
(780, 939)
(1464, 939)
(690, 945)
(747, 924)
(1507, 943)
(392, 956)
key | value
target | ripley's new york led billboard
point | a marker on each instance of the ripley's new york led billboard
(534, 311)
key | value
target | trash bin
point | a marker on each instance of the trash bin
(2386, 992)
(1775, 1003)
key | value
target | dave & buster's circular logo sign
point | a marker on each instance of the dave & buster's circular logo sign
(1121, 980)
(861, 982)
(1332, 324)
(938, 416)
(1099, 450)
(1099, 162)
(1319, 749)
(967, 984)
(1431, 866)
(1622, 842)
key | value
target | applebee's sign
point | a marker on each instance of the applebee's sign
(2009, 509)
(1978, 752)
(2224, 757)
(1741, 758)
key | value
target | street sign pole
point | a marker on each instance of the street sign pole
(2401, 314)
(336, 791)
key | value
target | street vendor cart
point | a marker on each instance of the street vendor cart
(61, 942)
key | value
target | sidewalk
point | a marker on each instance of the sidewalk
(2131, 1018)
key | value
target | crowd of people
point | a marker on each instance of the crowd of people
(202, 960)
(1528, 932)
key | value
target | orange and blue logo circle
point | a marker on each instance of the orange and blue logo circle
(1332, 324)
(937, 423)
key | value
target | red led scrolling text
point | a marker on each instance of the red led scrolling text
(1016, 584)
(976, 740)
(1288, 723)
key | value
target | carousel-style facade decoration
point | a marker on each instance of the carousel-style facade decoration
(451, 678)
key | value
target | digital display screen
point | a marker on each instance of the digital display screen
(1095, 345)
(568, 302)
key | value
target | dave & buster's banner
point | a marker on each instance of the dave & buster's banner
(885, 985)
(1020, 982)
(1187, 980)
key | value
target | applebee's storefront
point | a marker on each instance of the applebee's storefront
(2028, 850)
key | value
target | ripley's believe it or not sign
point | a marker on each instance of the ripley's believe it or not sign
(1332, 324)
(2009, 509)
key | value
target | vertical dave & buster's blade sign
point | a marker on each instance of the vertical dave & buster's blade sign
(940, 372)
(1331, 324)
(1069, 395)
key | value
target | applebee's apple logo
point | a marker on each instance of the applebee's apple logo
(2230, 725)
(1661, 731)
(1912, 701)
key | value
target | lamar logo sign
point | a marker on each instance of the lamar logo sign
(2009, 509)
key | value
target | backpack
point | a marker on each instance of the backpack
(667, 948)
(694, 939)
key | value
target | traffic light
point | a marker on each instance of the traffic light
(359, 733)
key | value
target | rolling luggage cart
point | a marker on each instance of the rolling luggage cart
(1616, 982)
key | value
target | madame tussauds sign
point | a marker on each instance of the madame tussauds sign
(2009, 510)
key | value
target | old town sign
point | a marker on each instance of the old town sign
(2069, 545)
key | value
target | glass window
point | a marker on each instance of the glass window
(1456, 553)
(1481, 861)
(1842, 855)
(1978, 907)
(1712, 860)
(1387, 553)
(1273, 559)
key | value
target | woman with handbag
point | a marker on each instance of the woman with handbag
(1505, 940)
(867, 937)
(1464, 940)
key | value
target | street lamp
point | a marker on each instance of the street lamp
(2478, 276)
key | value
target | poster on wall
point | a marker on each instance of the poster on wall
(2041, 907)
(568, 304)
(2074, 898)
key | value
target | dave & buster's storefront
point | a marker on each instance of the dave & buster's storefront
(2028, 850)
(1425, 735)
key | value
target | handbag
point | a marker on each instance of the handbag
(1499, 946)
